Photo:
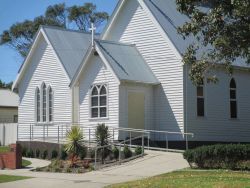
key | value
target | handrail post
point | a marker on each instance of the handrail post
(30, 131)
(186, 141)
(143, 144)
(95, 158)
(166, 140)
(148, 139)
(120, 154)
(58, 134)
(17, 138)
(89, 137)
(130, 142)
(113, 135)
(43, 133)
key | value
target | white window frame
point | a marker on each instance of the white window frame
(36, 107)
(230, 99)
(48, 104)
(99, 96)
(201, 97)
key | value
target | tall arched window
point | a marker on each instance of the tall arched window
(38, 105)
(50, 92)
(44, 102)
(233, 99)
(98, 101)
(200, 100)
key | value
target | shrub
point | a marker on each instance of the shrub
(64, 154)
(30, 153)
(45, 154)
(24, 152)
(138, 150)
(127, 152)
(54, 154)
(115, 152)
(37, 153)
(83, 153)
(227, 156)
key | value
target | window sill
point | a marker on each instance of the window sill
(99, 119)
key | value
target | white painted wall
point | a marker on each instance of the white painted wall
(133, 25)
(217, 124)
(8, 133)
(44, 67)
(96, 73)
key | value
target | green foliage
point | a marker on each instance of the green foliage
(138, 150)
(127, 152)
(115, 152)
(230, 156)
(5, 85)
(37, 153)
(30, 153)
(20, 35)
(64, 154)
(45, 154)
(54, 154)
(83, 152)
(102, 138)
(224, 30)
(25, 163)
(24, 151)
(75, 141)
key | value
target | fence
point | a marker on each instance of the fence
(8, 133)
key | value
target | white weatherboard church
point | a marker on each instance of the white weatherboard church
(131, 76)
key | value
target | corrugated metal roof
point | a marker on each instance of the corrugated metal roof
(8, 98)
(70, 46)
(126, 62)
(170, 19)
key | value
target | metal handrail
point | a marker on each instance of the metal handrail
(62, 128)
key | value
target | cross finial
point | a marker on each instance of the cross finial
(92, 29)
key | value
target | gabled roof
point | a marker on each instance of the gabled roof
(70, 46)
(123, 60)
(167, 15)
(8, 98)
(126, 62)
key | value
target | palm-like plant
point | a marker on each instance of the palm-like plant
(102, 139)
(75, 142)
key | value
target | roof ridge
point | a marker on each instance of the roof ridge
(115, 42)
(66, 29)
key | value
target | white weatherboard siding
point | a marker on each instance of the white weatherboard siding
(95, 72)
(133, 25)
(217, 124)
(44, 67)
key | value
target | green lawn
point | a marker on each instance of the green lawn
(4, 149)
(193, 178)
(25, 163)
(7, 178)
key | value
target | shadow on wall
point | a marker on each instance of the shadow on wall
(165, 119)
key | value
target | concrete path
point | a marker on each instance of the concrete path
(154, 163)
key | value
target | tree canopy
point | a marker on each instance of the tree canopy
(20, 35)
(5, 85)
(223, 27)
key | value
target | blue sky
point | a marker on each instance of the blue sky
(12, 11)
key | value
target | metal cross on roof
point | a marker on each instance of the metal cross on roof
(92, 29)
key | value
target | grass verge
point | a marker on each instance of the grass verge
(8, 178)
(25, 163)
(192, 178)
(4, 149)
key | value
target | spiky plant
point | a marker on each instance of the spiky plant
(102, 139)
(75, 142)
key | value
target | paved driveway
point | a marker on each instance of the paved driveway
(154, 163)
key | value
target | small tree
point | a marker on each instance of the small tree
(75, 142)
(102, 139)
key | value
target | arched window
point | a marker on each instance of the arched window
(200, 100)
(98, 101)
(50, 92)
(44, 102)
(233, 99)
(38, 105)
